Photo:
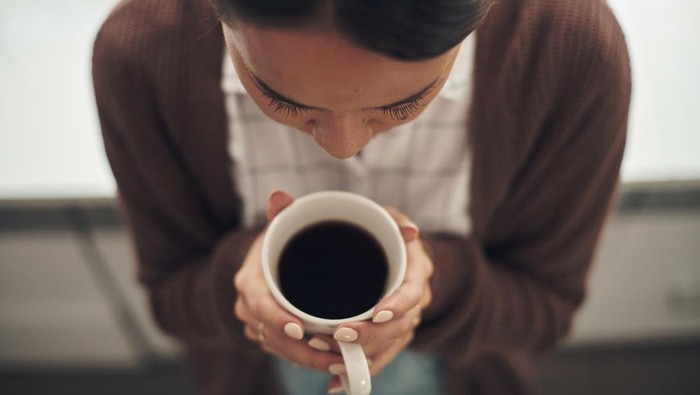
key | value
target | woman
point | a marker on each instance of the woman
(497, 127)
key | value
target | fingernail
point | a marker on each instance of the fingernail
(294, 331)
(275, 193)
(335, 390)
(383, 316)
(416, 321)
(345, 335)
(319, 344)
(408, 229)
(337, 368)
(408, 224)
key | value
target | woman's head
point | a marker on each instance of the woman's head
(345, 70)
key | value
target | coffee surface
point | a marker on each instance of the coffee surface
(333, 270)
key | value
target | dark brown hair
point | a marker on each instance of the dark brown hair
(401, 29)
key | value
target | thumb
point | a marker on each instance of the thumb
(277, 202)
(409, 230)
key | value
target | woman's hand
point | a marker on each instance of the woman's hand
(281, 334)
(277, 331)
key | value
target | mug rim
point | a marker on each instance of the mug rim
(274, 288)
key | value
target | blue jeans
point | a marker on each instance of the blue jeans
(409, 374)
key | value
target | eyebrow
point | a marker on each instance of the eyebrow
(277, 96)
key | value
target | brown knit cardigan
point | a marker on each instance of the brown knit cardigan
(547, 133)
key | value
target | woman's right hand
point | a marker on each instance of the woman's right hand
(266, 322)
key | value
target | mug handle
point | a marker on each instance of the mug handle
(356, 380)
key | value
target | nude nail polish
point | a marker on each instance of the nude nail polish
(319, 344)
(345, 335)
(382, 317)
(337, 368)
(408, 224)
(294, 331)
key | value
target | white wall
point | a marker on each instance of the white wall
(664, 134)
(50, 144)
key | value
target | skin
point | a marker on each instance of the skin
(347, 86)
(346, 83)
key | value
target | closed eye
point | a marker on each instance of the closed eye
(400, 110)
(404, 111)
(289, 109)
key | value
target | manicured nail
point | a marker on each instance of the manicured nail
(408, 229)
(337, 368)
(335, 390)
(345, 335)
(294, 331)
(408, 224)
(383, 316)
(275, 193)
(319, 344)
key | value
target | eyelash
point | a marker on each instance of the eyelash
(404, 111)
(291, 110)
(400, 113)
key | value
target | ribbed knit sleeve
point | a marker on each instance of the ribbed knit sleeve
(515, 284)
(186, 257)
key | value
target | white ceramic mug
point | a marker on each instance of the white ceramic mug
(346, 207)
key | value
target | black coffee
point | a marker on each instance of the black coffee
(333, 270)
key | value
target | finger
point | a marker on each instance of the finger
(373, 335)
(263, 308)
(334, 386)
(427, 297)
(241, 311)
(383, 360)
(251, 333)
(409, 230)
(324, 343)
(299, 353)
(277, 202)
(260, 306)
(410, 292)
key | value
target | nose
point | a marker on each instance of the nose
(342, 136)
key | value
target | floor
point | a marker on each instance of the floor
(73, 320)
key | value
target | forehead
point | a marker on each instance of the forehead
(321, 67)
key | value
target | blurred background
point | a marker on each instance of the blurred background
(73, 320)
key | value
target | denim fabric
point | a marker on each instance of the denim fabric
(409, 374)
